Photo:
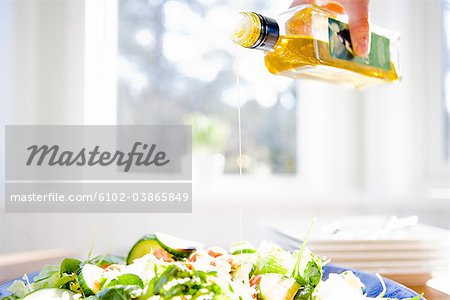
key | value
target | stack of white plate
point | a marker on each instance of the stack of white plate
(398, 248)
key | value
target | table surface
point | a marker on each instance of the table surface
(430, 293)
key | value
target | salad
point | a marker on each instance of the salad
(162, 267)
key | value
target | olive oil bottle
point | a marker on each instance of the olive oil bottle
(310, 41)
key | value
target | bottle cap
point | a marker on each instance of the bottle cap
(256, 31)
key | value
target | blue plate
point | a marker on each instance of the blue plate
(373, 285)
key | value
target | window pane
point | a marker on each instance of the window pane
(178, 65)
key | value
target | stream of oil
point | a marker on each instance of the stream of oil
(239, 160)
(238, 89)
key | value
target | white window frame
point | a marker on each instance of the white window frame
(100, 77)
(438, 165)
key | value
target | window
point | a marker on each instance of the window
(177, 64)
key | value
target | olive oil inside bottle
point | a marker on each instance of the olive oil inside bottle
(305, 57)
(299, 47)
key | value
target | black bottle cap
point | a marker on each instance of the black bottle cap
(270, 32)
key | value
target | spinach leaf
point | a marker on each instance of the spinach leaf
(70, 265)
(307, 272)
(118, 292)
(124, 279)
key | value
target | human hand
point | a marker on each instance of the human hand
(358, 20)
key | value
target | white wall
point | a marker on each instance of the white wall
(42, 48)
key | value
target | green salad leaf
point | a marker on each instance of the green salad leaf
(19, 289)
(46, 272)
(181, 281)
(119, 292)
(70, 265)
(307, 272)
(124, 279)
(272, 258)
(54, 281)
(48, 278)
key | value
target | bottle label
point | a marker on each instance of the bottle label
(340, 46)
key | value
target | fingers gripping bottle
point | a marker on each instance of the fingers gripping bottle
(311, 41)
